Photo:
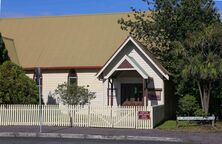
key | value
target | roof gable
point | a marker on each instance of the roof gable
(125, 64)
(134, 65)
(155, 63)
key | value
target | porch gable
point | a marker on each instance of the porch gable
(130, 60)
(129, 75)
(134, 65)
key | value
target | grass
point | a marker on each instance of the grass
(187, 126)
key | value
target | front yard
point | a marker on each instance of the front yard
(187, 126)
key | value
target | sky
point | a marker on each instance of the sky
(27, 8)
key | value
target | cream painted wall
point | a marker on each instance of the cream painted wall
(86, 78)
(50, 81)
(30, 75)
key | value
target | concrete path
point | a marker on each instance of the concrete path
(103, 133)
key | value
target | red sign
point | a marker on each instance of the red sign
(143, 115)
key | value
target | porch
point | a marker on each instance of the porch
(132, 77)
(129, 88)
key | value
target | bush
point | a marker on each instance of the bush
(200, 112)
(73, 94)
(15, 86)
(189, 106)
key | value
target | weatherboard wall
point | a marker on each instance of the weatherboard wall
(157, 81)
(86, 78)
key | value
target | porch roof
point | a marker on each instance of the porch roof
(135, 65)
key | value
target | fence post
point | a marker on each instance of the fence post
(111, 116)
(89, 117)
(70, 115)
(135, 116)
(152, 117)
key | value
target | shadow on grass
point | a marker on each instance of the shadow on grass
(191, 126)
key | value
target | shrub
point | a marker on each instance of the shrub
(188, 105)
(15, 86)
(200, 112)
(73, 94)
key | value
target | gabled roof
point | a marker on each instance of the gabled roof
(146, 53)
(9, 44)
(152, 57)
(65, 41)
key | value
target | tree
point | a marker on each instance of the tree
(169, 21)
(15, 86)
(73, 94)
(166, 27)
(3, 51)
(202, 53)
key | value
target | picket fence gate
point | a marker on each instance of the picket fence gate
(80, 116)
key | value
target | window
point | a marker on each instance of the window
(72, 77)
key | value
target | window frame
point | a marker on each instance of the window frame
(72, 75)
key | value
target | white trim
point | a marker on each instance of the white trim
(115, 67)
(122, 46)
(115, 54)
(165, 75)
(145, 76)
(125, 69)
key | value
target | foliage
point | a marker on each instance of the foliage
(202, 53)
(169, 21)
(188, 105)
(200, 112)
(15, 86)
(3, 51)
(167, 32)
(73, 94)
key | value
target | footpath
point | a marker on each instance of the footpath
(110, 134)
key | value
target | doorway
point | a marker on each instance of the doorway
(132, 94)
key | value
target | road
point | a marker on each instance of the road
(13, 140)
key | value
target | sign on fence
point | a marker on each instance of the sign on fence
(143, 115)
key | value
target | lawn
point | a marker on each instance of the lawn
(190, 126)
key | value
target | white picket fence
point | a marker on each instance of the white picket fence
(80, 116)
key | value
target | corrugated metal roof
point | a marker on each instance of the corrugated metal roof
(83, 40)
(9, 44)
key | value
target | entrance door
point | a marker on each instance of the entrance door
(132, 94)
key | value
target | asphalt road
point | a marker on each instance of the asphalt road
(72, 141)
